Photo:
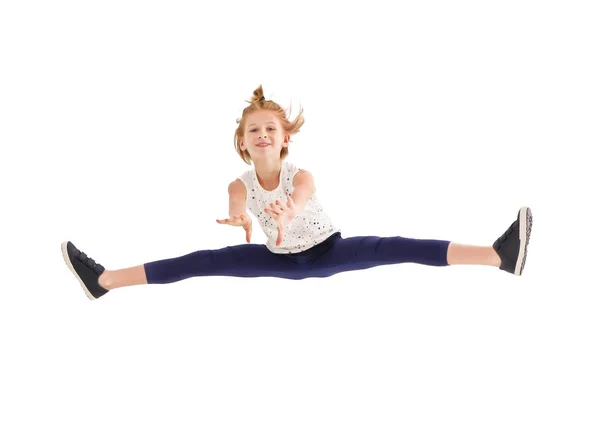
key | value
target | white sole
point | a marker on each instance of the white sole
(70, 266)
(523, 240)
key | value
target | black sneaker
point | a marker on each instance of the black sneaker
(85, 269)
(512, 245)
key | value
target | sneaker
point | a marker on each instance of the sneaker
(85, 269)
(512, 245)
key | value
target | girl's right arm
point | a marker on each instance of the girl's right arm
(237, 208)
(237, 198)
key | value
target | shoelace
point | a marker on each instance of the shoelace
(89, 262)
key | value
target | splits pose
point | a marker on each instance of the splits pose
(302, 241)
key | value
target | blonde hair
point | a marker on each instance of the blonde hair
(257, 103)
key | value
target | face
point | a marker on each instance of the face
(264, 136)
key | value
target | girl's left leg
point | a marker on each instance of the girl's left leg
(362, 252)
(461, 254)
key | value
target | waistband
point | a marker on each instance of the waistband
(315, 251)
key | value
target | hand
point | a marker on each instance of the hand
(283, 215)
(240, 220)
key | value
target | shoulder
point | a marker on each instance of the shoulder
(237, 187)
(293, 169)
(303, 174)
(245, 179)
(297, 174)
(304, 178)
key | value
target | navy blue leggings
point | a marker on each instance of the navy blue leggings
(334, 255)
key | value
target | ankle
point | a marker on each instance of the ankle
(496, 261)
(105, 280)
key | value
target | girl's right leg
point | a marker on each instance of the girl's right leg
(133, 276)
(245, 260)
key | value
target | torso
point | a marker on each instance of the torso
(310, 227)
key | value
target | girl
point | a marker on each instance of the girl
(302, 240)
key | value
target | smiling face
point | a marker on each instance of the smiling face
(264, 136)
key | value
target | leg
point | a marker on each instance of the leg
(245, 260)
(133, 276)
(460, 254)
(362, 252)
(355, 253)
(192, 265)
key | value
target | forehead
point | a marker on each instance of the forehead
(262, 117)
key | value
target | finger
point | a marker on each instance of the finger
(277, 209)
(291, 203)
(275, 215)
(248, 233)
(223, 221)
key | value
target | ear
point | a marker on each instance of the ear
(241, 143)
(286, 140)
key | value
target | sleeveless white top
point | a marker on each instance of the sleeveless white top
(310, 227)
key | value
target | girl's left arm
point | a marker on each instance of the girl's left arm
(304, 187)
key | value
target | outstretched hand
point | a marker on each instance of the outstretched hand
(283, 215)
(240, 220)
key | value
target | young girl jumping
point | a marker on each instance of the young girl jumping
(302, 241)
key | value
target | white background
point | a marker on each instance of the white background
(423, 119)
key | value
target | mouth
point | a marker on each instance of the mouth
(263, 145)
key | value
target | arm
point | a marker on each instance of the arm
(237, 198)
(237, 208)
(285, 212)
(304, 187)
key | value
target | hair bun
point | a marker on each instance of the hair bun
(258, 95)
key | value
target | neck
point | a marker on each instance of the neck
(268, 172)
